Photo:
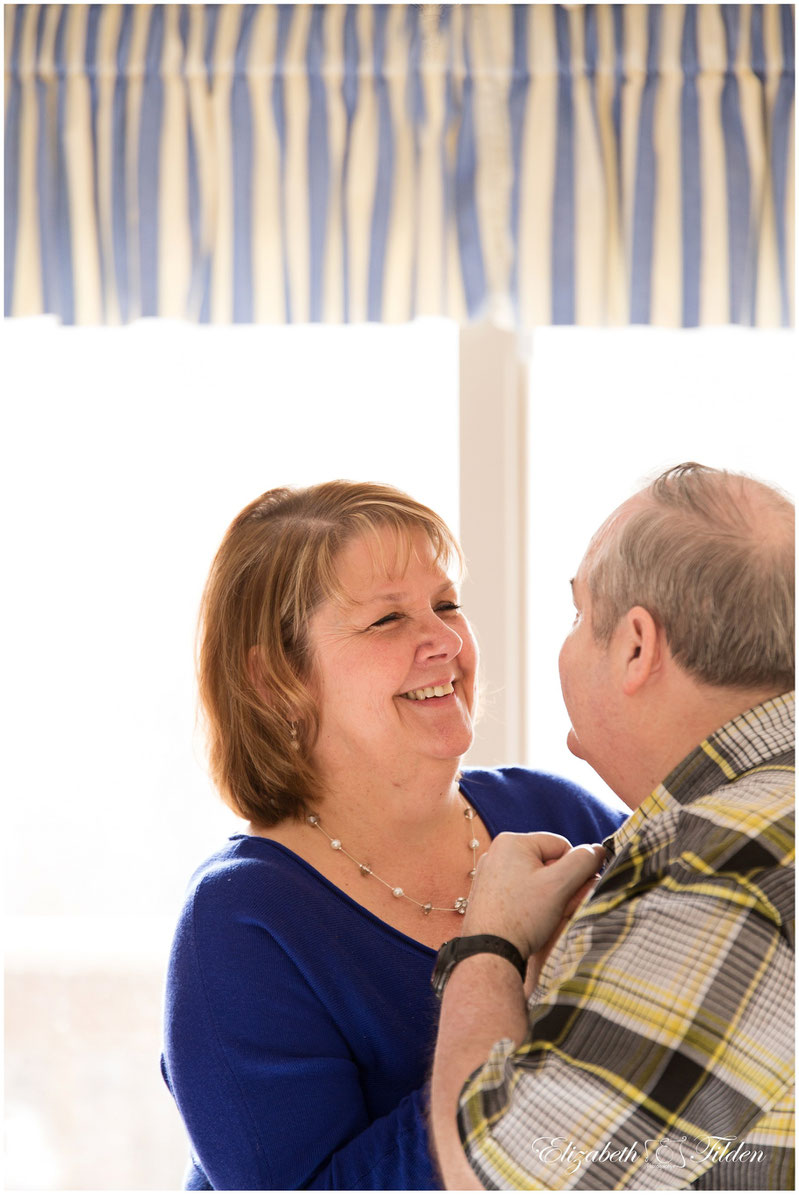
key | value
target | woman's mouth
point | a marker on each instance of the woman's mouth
(429, 691)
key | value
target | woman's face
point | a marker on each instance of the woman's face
(394, 662)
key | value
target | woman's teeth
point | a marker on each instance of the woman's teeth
(430, 691)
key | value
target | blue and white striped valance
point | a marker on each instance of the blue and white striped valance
(589, 164)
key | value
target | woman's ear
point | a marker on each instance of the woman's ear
(643, 647)
(256, 675)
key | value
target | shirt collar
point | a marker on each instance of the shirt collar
(762, 734)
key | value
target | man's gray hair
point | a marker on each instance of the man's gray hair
(710, 555)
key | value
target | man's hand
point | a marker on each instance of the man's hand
(527, 887)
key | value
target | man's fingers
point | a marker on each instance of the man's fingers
(578, 866)
(526, 884)
(579, 896)
(539, 847)
(550, 847)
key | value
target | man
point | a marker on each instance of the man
(656, 1049)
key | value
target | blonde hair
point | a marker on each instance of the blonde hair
(710, 555)
(276, 564)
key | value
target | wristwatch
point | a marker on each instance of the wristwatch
(457, 949)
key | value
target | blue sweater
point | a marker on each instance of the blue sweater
(300, 1027)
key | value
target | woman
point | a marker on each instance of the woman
(338, 677)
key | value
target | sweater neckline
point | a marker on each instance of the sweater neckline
(382, 925)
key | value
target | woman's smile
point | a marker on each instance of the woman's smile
(434, 691)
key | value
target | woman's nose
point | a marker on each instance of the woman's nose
(439, 641)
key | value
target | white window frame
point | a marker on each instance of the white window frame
(493, 532)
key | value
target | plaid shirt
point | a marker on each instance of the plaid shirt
(660, 1046)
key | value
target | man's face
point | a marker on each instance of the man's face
(585, 675)
(592, 675)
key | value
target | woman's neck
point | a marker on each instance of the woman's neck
(384, 812)
(415, 837)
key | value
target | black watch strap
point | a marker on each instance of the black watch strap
(457, 949)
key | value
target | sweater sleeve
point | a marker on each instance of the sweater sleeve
(262, 1073)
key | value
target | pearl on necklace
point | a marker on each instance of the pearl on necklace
(461, 902)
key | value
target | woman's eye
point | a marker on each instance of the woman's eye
(381, 622)
(446, 607)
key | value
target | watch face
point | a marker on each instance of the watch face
(459, 948)
(444, 963)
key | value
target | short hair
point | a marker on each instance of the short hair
(276, 564)
(710, 555)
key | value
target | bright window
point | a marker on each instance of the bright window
(128, 452)
(609, 409)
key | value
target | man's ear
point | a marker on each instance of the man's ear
(642, 641)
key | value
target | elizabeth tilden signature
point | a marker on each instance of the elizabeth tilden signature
(666, 1152)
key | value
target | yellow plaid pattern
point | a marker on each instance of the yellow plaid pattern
(660, 1048)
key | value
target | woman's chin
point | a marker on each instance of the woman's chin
(573, 743)
(459, 744)
(451, 744)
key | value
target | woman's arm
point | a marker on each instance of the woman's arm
(262, 1072)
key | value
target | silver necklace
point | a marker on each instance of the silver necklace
(461, 903)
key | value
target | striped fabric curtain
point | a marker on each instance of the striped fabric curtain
(534, 164)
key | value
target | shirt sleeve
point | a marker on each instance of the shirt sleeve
(264, 1079)
(664, 1039)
